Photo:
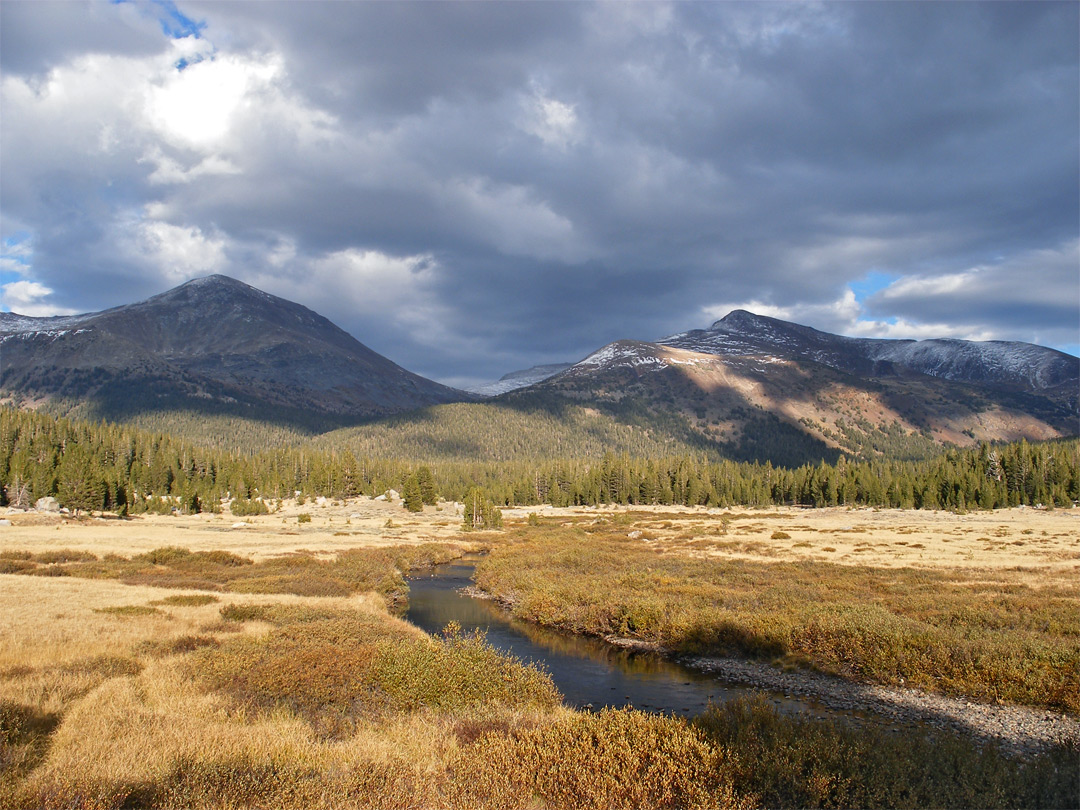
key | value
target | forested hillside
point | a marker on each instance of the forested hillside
(104, 467)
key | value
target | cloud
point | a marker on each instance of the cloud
(28, 298)
(552, 121)
(195, 107)
(1031, 295)
(470, 187)
(178, 252)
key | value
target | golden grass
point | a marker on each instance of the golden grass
(334, 526)
(116, 695)
(1000, 639)
(935, 539)
(303, 574)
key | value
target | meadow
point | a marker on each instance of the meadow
(195, 675)
(992, 634)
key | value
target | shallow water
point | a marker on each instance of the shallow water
(587, 671)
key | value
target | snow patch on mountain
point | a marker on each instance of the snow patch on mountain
(12, 323)
(519, 379)
(621, 354)
(1008, 363)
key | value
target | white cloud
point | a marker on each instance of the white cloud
(175, 252)
(16, 254)
(355, 282)
(552, 121)
(846, 316)
(195, 107)
(169, 171)
(28, 298)
(922, 287)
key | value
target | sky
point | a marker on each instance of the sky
(475, 188)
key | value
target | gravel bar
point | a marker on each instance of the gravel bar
(1019, 730)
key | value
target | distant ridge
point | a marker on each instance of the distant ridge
(1009, 364)
(761, 388)
(519, 379)
(213, 340)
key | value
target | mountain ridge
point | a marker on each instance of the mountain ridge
(1013, 363)
(212, 338)
(756, 385)
(748, 387)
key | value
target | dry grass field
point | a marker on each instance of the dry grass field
(334, 526)
(1039, 545)
(236, 694)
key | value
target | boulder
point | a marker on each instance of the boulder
(47, 504)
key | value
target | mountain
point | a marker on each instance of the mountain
(218, 361)
(996, 364)
(519, 379)
(212, 344)
(762, 388)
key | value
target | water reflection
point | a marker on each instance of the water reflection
(588, 672)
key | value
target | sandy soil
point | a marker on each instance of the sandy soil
(334, 526)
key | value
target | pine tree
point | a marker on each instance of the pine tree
(411, 496)
(480, 512)
(426, 480)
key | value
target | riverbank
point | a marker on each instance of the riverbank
(1018, 730)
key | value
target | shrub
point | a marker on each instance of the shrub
(187, 600)
(616, 758)
(333, 671)
(167, 555)
(303, 517)
(8, 566)
(244, 508)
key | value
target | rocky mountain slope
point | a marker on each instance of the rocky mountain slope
(764, 388)
(1005, 365)
(215, 356)
(213, 342)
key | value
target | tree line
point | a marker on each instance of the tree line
(99, 466)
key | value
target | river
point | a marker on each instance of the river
(590, 673)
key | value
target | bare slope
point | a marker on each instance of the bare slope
(762, 388)
(214, 340)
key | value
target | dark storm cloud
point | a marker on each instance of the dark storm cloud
(35, 36)
(470, 187)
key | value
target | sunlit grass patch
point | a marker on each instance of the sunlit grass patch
(616, 758)
(348, 572)
(1017, 643)
(335, 671)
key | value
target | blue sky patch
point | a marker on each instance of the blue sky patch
(872, 282)
(174, 23)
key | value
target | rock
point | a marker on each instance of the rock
(240, 525)
(5, 522)
(380, 498)
(393, 495)
(47, 504)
